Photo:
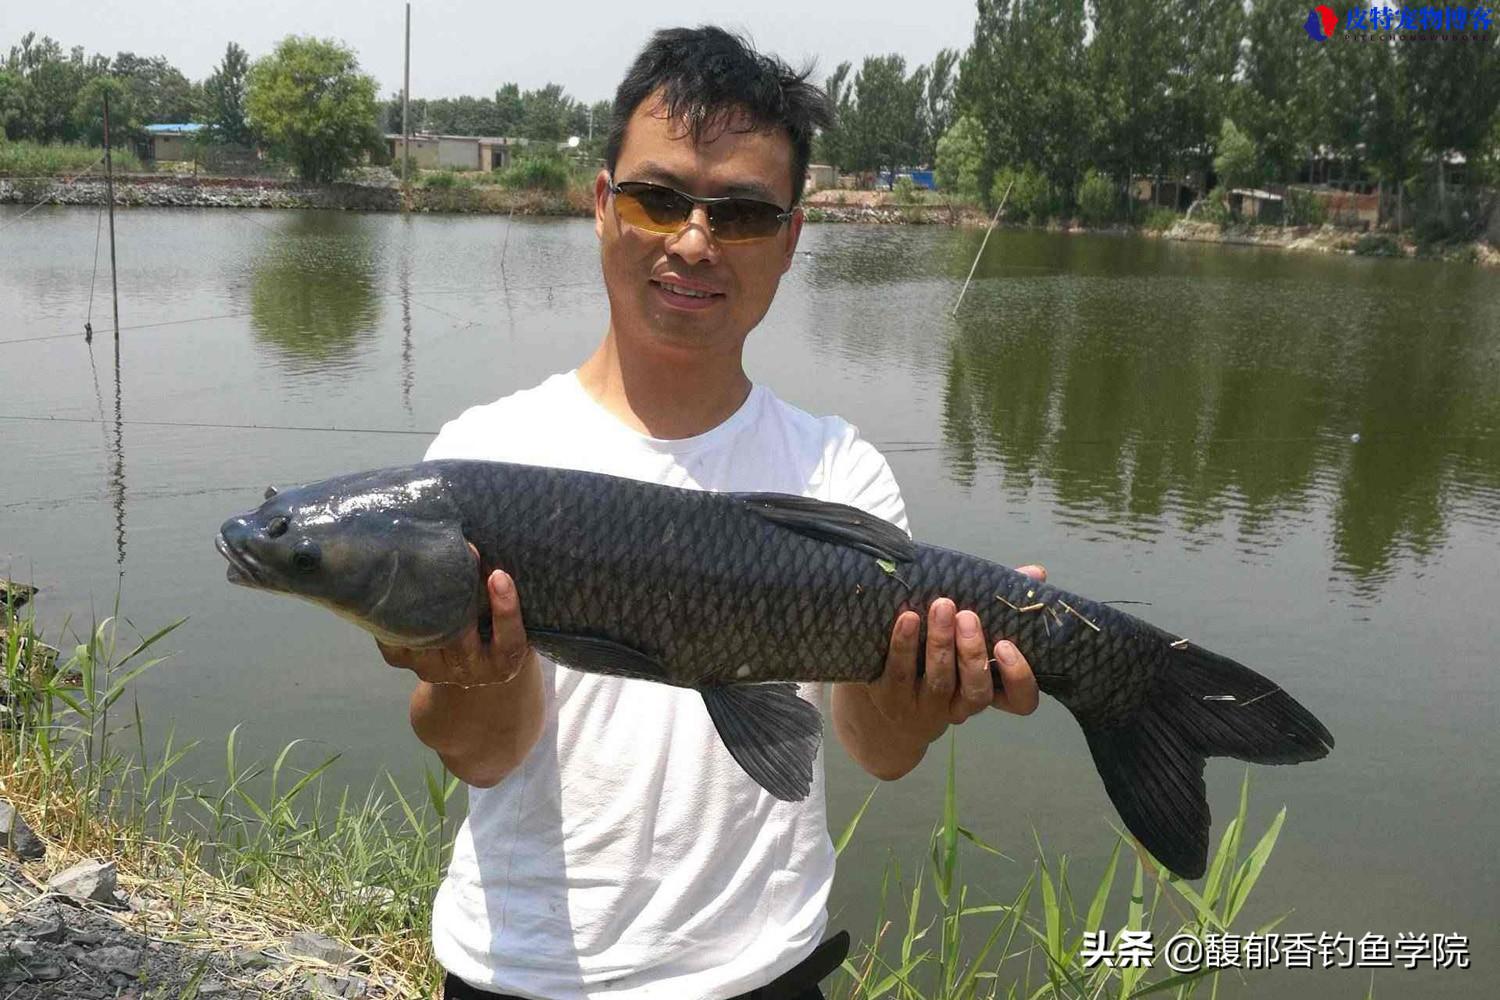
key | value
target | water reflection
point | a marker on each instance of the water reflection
(1235, 406)
(314, 295)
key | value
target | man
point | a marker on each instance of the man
(613, 847)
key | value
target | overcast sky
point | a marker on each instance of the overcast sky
(472, 46)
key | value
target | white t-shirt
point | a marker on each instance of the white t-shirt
(629, 856)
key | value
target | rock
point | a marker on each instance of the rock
(336, 987)
(115, 958)
(20, 949)
(17, 837)
(87, 880)
(307, 944)
(46, 972)
(248, 958)
(372, 895)
(39, 927)
(86, 938)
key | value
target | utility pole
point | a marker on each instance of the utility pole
(591, 126)
(405, 120)
(109, 185)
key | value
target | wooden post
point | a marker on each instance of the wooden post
(405, 120)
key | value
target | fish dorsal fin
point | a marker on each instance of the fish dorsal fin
(601, 656)
(837, 523)
(771, 732)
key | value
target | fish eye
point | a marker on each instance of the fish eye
(306, 556)
(277, 526)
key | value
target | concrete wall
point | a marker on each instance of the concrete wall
(460, 153)
(424, 153)
(166, 148)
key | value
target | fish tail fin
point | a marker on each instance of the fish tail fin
(1204, 705)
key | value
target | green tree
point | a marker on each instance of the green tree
(1129, 60)
(311, 104)
(1238, 163)
(53, 81)
(833, 142)
(887, 126)
(960, 160)
(15, 104)
(941, 85)
(224, 93)
(546, 113)
(124, 112)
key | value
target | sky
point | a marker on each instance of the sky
(473, 46)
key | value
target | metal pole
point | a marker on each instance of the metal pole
(405, 120)
(982, 245)
(109, 184)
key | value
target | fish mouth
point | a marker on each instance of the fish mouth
(242, 569)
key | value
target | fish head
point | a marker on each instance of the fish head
(385, 550)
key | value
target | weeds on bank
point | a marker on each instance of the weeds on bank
(35, 159)
(263, 852)
(936, 938)
(255, 856)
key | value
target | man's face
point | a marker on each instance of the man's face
(642, 269)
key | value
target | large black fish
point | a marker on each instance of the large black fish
(736, 594)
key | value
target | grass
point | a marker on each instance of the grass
(34, 159)
(258, 854)
(935, 938)
(265, 851)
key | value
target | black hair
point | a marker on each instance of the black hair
(705, 77)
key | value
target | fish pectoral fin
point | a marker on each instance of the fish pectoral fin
(603, 656)
(771, 732)
(837, 523)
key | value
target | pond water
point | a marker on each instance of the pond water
(1294, 458)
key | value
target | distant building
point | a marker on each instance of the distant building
(458, 152)
(820, 176)
(172, 141)
(1253, 203)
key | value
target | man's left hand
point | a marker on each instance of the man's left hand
(956, 682)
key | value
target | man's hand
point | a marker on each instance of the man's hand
(479, 702)
(470, 661)
(955, 685)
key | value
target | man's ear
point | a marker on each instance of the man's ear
(793, 234)
(601, 201)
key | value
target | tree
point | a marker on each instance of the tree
(1238, 163)
(224, 93)
(959, 164)
(15, 104)
(887, 127)
(313, 106)
(124, 112)
(833, 142)
(941, 82)
(547, 113)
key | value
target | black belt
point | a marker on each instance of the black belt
(797, 983)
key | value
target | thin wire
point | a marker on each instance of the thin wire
(49, 197)
(98, 225)
(220, 426)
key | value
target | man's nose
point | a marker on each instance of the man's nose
(695, 242)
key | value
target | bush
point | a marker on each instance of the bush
(960, 160)
(536, 173)
(442, 179)
(905, 189)
(1096, 199)
(1303, 208)
(35, 159)
(1377, 245)
(1215, 207)
(1159, 218)
(1030, 199)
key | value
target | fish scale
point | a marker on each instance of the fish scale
(735, 595)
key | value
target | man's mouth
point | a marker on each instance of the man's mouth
(686, 296)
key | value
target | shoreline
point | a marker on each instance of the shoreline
(180, 191)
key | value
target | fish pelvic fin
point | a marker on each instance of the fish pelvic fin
(771, 732)
(1203, 705)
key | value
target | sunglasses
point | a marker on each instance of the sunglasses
(664, 211)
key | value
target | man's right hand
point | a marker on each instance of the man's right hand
(470, 660)
(479, 702)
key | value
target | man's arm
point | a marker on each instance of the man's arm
(479, 704)
(887, 725)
